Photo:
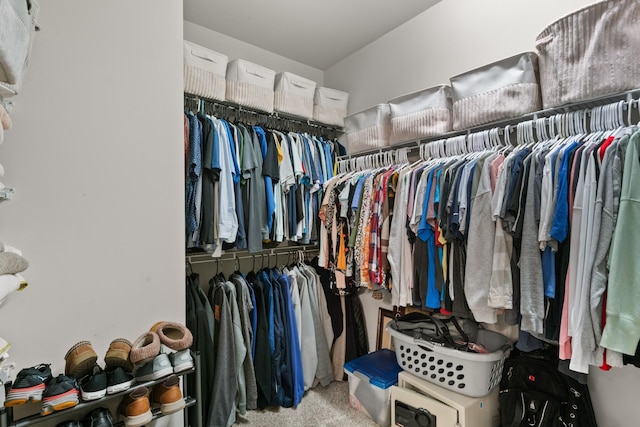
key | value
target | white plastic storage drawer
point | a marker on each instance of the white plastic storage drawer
(204, 71)
(250, 85)
(370, 379)
(294, 95)
(330, 106)
(368, 129)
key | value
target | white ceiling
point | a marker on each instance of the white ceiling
(318, 33)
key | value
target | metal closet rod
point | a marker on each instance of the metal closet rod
(232, 108)
(235, 256)
(630, 96)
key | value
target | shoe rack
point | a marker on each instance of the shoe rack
(83, 408)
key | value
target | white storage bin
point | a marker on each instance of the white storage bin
(501, 90)
(330, 106)
(420, 114)
(368, 129)
(204, 71)
(250, 85)
(294, 95)
(590, 52)
(370, 379)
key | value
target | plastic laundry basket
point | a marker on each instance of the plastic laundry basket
(468, 373)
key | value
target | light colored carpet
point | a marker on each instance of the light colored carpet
(322, 406)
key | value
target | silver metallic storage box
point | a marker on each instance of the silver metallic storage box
(250, 85)
(204, 71)
(591, 52)
(502, 90)
(294, 95)
(330, 106)
(368, 129)
(420, 114)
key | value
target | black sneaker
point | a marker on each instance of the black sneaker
(60, 393)
(118, 380)
(69, 423)
(100, 417)
(29, 385)
(94, 385)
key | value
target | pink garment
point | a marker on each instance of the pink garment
(495, 171)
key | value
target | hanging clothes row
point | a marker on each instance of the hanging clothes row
(524, 230)
(246, 185)
(266, 337)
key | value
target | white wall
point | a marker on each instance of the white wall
(95, 155)
(452, 37)
(235, 48)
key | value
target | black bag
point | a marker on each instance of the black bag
(437, 330)
(534, 393)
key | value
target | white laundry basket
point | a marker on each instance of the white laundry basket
(468, 373)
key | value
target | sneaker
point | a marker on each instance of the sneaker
(135, 407)
(168, 396)
(99, 417)
(118, 380)
(145, 348)
(118, 355)
(80, 359)
(69, 423)
(29, 385)
(174, 335)
(156, 369)
(181, 361)
(61, 393)
(94, 385)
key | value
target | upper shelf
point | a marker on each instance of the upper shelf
(239, 112)
(576, 106)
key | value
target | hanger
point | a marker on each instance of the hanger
(189, 268)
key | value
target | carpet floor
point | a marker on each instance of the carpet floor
(322, 406)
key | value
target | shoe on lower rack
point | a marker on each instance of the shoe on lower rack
(135, 408)
(94, 385)
(61, 393)
(118, 380)
(29, 385)
(99, 417)
(159, 367)
(168, 396)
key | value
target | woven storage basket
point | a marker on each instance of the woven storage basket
(368, 129)
(501, 90)
(294, 95)
(204, 71)
(471, 374)
(250, 85)
(591, 52)
(420, 114)
(330, 106)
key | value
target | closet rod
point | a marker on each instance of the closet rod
(630, 97)
(207, 258)
(232, 108)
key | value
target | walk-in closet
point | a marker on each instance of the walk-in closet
(321, 213)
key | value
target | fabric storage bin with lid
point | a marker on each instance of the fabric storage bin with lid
(368, 129)
(330, 106)
(370, 379)
(19, 23)
(420, 114)
(250, 85)
(465, 372)
(204, 71)
(603, 40)
(501, 90)
(294, 95)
